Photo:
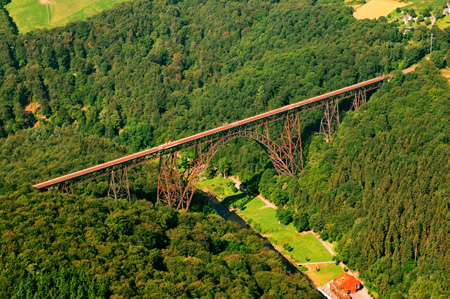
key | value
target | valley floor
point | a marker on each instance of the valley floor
(312, 255)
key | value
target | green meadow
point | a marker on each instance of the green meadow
(306, 248)
(322, 274)
(222, 188)
(422, 4)
(34, 14)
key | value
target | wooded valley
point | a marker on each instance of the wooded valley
(146, 72)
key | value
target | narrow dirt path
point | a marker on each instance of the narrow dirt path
(316, 263)
(410, 69)
(325, 244)
(267, 202)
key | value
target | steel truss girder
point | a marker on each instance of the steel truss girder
(330, 120)
(118, 184)
(290, 149)
(359, 99)
(176, 189)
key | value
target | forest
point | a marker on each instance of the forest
(382, 188)
(146, 72)
(77, 246)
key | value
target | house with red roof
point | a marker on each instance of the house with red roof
(344, 285)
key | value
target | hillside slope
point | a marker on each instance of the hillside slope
(69, 246)
(383, 187)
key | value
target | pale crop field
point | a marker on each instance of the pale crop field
(33, 14)
(377, 8)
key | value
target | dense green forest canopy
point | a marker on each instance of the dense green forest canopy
(154, 70)
(71, 246)
(146, 72)
(382, 188)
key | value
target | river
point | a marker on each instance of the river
(231, 216)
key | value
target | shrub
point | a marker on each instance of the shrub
(301, 221)
(287, 247)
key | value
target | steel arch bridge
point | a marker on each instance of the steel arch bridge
(176, 189)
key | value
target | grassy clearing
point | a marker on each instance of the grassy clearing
(306, 248)
(32, 14)
(377, 8)
(28, 14)
(422, 4)
(446, 74)
(222, 188)
(264, 219)
(443, 22)
(323, 273)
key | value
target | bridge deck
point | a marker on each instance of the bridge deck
(191, 138)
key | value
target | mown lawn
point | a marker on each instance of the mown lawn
(306, 248)
(221, 187)
(32, 14)
(262, 218)
(322, 274)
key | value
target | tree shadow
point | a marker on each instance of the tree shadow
(229, 200)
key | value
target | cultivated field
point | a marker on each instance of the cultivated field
(33, 14)
(377, 8)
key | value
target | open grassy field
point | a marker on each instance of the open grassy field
(322, 274)
(377, 8)
(443, 22)
(422, 4)
(261, 216)
(222, 188)
(306, 248)
(32, 14)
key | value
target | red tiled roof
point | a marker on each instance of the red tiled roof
(346, 281)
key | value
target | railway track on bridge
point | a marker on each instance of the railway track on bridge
(283, 155)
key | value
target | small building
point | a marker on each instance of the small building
(408, 29)
(407, 18)
(344, 285)
(446, 11)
